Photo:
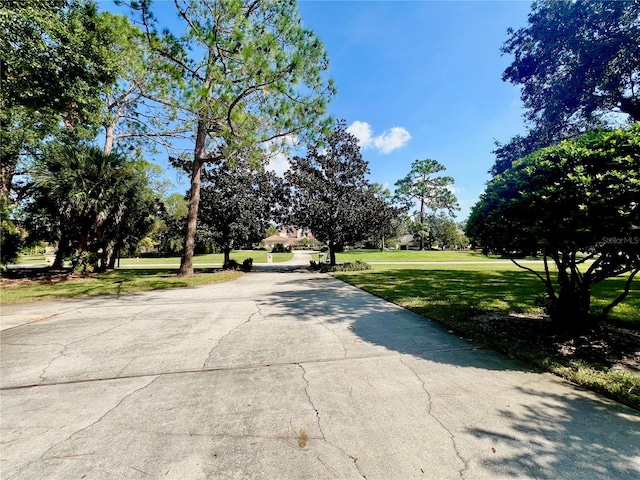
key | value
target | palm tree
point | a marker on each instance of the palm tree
(86, 191)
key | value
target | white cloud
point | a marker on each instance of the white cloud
(386, 142)
(362, 131)
(277, 152)
(278, 164)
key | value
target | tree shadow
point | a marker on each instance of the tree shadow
(560, 435)
(550, 431)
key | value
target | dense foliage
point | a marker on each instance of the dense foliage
(578, 63)
(579, 197)
(331, 195)
(237, 204)
(430, 191)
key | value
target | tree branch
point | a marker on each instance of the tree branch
(622, 296)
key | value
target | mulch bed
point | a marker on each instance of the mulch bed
(604, 344)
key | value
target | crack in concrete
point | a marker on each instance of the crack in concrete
(257, 312)
(324, 437)
(344, 348)
(101, 417)
(67, 345)
(442, 425)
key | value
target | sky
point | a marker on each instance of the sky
(416, 80)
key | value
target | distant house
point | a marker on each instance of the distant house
(408, 242)
(290, 236)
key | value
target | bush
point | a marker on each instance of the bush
(281, 248)
(231, 265)
(356, 266)
(247, 264)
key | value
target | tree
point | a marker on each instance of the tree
(252, 76)
(55, 59)
(581, 196)
(578, 62)
(238, 204)
(330, 191)
(432, 192)
(382, 216)
(94, 200)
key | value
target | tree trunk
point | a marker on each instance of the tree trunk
(186, 263)
(62, 251)
(422, 223)
(227, 258)
(382, 244)
(571, 308)
(332, 254)
(109, 136)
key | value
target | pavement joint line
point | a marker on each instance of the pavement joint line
(231, 368)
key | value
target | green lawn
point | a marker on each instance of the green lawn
(115, 282)
(454, 295)
(411, 256)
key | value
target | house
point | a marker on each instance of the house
(293, 237)
(408, 242)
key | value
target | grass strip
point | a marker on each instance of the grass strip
(112, 283)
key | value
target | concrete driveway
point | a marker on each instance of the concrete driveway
(284, 375)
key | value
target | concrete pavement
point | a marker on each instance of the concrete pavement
(284, 375)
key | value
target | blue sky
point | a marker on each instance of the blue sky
(418, 79)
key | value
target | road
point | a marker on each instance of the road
(284, 375)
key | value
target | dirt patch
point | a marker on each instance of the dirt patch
(604, 344)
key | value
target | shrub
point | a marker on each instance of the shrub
(231, 265)
(281, 248)
(247, 264)
(356, 266)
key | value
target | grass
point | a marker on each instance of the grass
(411, 256)
(259, 256)
(458, 296)
(114, 283)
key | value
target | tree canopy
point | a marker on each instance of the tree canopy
(429, 190)
(252, 76)
(238, 203)
(578, 197)
(330, 194)
(578, 64)
(55, 60)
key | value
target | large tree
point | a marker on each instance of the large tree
(55, 60)
(429, 190)
(573, 202)
(252, 74)
(238, 203)
(578, 62)
(330, 192)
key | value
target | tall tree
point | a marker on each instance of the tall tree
(578, 62)
(330, 191)
(140, 110)
(252, 75)
(580, 196)
(55, 59)
(430, 191)
(238, 203)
